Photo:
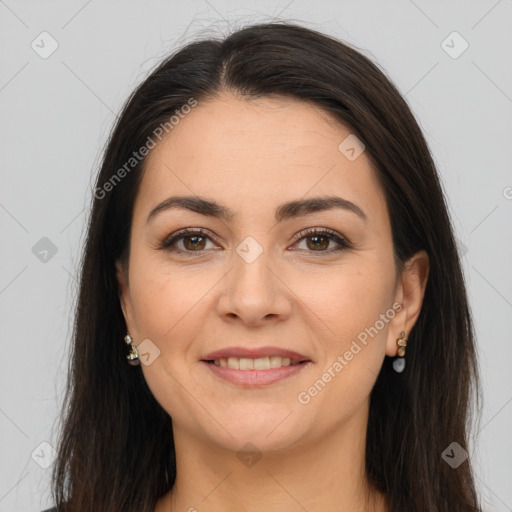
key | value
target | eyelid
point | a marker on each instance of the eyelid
(317, 230)
(182, 233)
(341, 240)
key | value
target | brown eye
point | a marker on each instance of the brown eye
(193, 242)
(186, 241)
(318, 240)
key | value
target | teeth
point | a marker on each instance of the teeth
(261, 363)
(234, 363)
(275, 362)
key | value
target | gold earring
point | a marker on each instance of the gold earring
(399, 364)
(402, 343)
(133, 354)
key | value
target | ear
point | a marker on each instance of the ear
(124, 296)
(410, 292)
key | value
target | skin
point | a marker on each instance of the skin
(251, 156)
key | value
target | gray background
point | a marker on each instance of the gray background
(55, 116)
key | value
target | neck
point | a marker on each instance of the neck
(325, 474)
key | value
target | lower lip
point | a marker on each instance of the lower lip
(251, 378)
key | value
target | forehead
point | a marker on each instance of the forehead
(249, 154)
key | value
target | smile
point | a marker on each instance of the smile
(255, 367)
(261, 363)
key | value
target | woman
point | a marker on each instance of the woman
(270, 242)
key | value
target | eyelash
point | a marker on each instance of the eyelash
(342, 242)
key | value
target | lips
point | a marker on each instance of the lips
(241, 352)
(257, 367)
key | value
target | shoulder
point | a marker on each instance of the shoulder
(54, 509)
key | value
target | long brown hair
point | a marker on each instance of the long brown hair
(116, 449)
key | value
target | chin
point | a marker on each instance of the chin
(250, 440)
(266, 431)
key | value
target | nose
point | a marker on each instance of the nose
(254, 292)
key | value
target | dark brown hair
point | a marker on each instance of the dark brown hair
(116, 450)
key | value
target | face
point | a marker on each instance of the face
(311, 286)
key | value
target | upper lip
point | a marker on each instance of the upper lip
(254, 353)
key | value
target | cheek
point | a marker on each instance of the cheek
(348, 298)
(353, 308)
(169, 307)
(165, 298)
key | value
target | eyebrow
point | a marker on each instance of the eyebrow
(285, 211)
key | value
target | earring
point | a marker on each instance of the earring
(133, 354)
(399, 364)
